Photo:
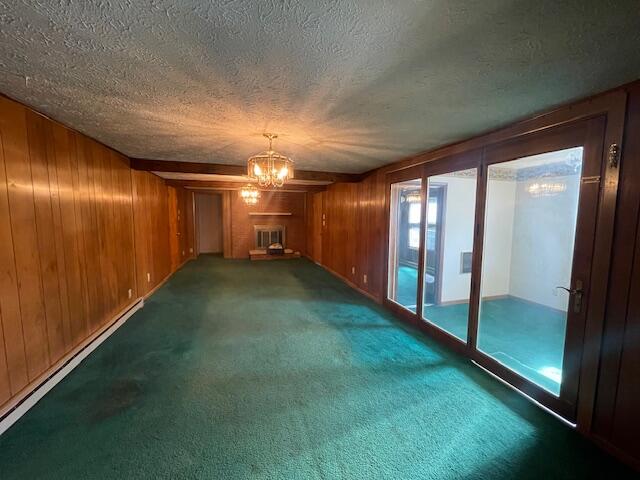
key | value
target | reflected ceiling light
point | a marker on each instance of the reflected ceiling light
(553, 373)
(546, 189)
(270, 168)
(250, 194)
(412, 197)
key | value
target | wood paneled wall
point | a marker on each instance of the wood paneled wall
(236, 214)
(350, 241)
(617, 410)
(181, 226)
(315, 224)
(79, 231)
(151, 215)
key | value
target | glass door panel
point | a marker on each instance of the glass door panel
(451, 200)
(404, 242)
(529, 234)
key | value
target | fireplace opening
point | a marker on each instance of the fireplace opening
(266, 235)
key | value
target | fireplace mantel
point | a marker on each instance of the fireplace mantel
(269, 214)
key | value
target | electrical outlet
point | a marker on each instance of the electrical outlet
(364, 278)
(130, 293)
(148, 277)
(353, 270)
(191, 250)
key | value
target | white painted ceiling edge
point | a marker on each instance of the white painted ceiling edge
(348, 85)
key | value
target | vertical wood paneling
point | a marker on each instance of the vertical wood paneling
(23, 228)
(68, 256)
(46, 236)
(152, 217)
(9, 298)
(189, 216)
(5, 386)
(314, 226)
(174, 231)
(74, 236)
(108, 221)
(89, 232)
(125, 197)
(58, 230)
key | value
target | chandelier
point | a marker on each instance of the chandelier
(413, 197)
(250, 194)
(270, 168)
(546, 189)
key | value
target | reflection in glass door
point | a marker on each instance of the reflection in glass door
(404, 242)
(529, 234)
(448, 250)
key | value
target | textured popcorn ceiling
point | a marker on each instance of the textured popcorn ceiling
(349, 85)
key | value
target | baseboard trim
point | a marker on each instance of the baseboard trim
(165, 279)
(348, 282)
(22, 404)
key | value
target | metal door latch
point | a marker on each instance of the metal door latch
(614, 155)
(577, 294)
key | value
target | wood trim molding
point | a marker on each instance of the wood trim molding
(227, 185)
(221, 169)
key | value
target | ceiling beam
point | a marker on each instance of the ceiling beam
(220, 169)
(223, 185)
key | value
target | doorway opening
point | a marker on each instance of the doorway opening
(209, 222)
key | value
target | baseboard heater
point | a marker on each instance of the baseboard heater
(24, 405)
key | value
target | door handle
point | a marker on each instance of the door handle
(577, 294)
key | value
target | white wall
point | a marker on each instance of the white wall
(209, 209)
(498, 231)
(528, 245)
(543, 238)
(459, 217)
(459, 213)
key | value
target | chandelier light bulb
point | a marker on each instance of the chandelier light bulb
(250, 194)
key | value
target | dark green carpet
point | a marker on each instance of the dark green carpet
(277, 370)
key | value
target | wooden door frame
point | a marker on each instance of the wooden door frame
(439, 238)
(454, 163)
(612, 105)
(396, 177)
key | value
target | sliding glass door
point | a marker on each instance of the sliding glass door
(404, 242)
(451, 199)
(538, 226)
(529, 235)
(491, 253)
